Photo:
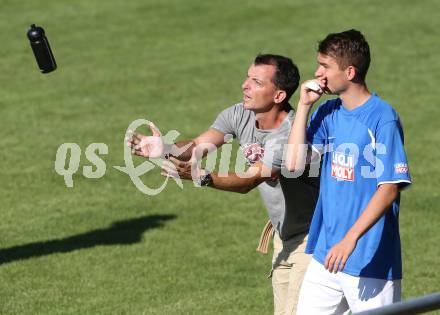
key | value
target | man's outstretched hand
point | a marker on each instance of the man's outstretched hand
(183, 169)
(147, 146)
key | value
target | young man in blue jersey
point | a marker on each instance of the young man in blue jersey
(354, 234)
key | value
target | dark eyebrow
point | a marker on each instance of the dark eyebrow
(254, 79)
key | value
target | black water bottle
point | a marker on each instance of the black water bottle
(40, 46)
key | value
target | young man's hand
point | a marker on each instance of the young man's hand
(339, 253)
(308, 95)
(147, 146)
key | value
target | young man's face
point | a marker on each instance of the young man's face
(258, 89)
(331, 75)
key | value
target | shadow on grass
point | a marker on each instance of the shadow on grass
(119, 233)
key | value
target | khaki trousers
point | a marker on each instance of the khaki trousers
(289, 264)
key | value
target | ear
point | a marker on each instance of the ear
(350, 73)
(280, 96)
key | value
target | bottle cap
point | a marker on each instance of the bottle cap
(35, 33)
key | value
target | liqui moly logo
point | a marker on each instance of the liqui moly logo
(401, 168)
(343, 166)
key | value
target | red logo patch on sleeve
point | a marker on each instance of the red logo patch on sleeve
(401, 168)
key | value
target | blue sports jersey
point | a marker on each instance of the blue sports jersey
(361, 149)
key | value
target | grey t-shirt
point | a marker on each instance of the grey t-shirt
(290, 201)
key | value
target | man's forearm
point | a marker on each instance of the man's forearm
(182, 150)
(241, 182)
(235, 183)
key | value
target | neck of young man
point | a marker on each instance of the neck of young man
(273, 118)
(354, 96)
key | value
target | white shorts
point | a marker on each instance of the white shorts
(326, 293)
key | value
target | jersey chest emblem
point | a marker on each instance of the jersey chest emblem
(253, 152)
(342, 166)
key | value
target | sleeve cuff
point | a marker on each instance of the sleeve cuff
(403, 183)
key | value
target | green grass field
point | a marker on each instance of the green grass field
(102, 247)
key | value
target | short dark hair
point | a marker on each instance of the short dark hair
(286, 76)
(349, 48)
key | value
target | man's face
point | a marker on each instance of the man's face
(258, 89)
(331, 75)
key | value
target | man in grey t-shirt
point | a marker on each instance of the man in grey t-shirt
(261, 124)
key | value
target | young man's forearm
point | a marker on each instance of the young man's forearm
(376, 208)
(297, 150)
